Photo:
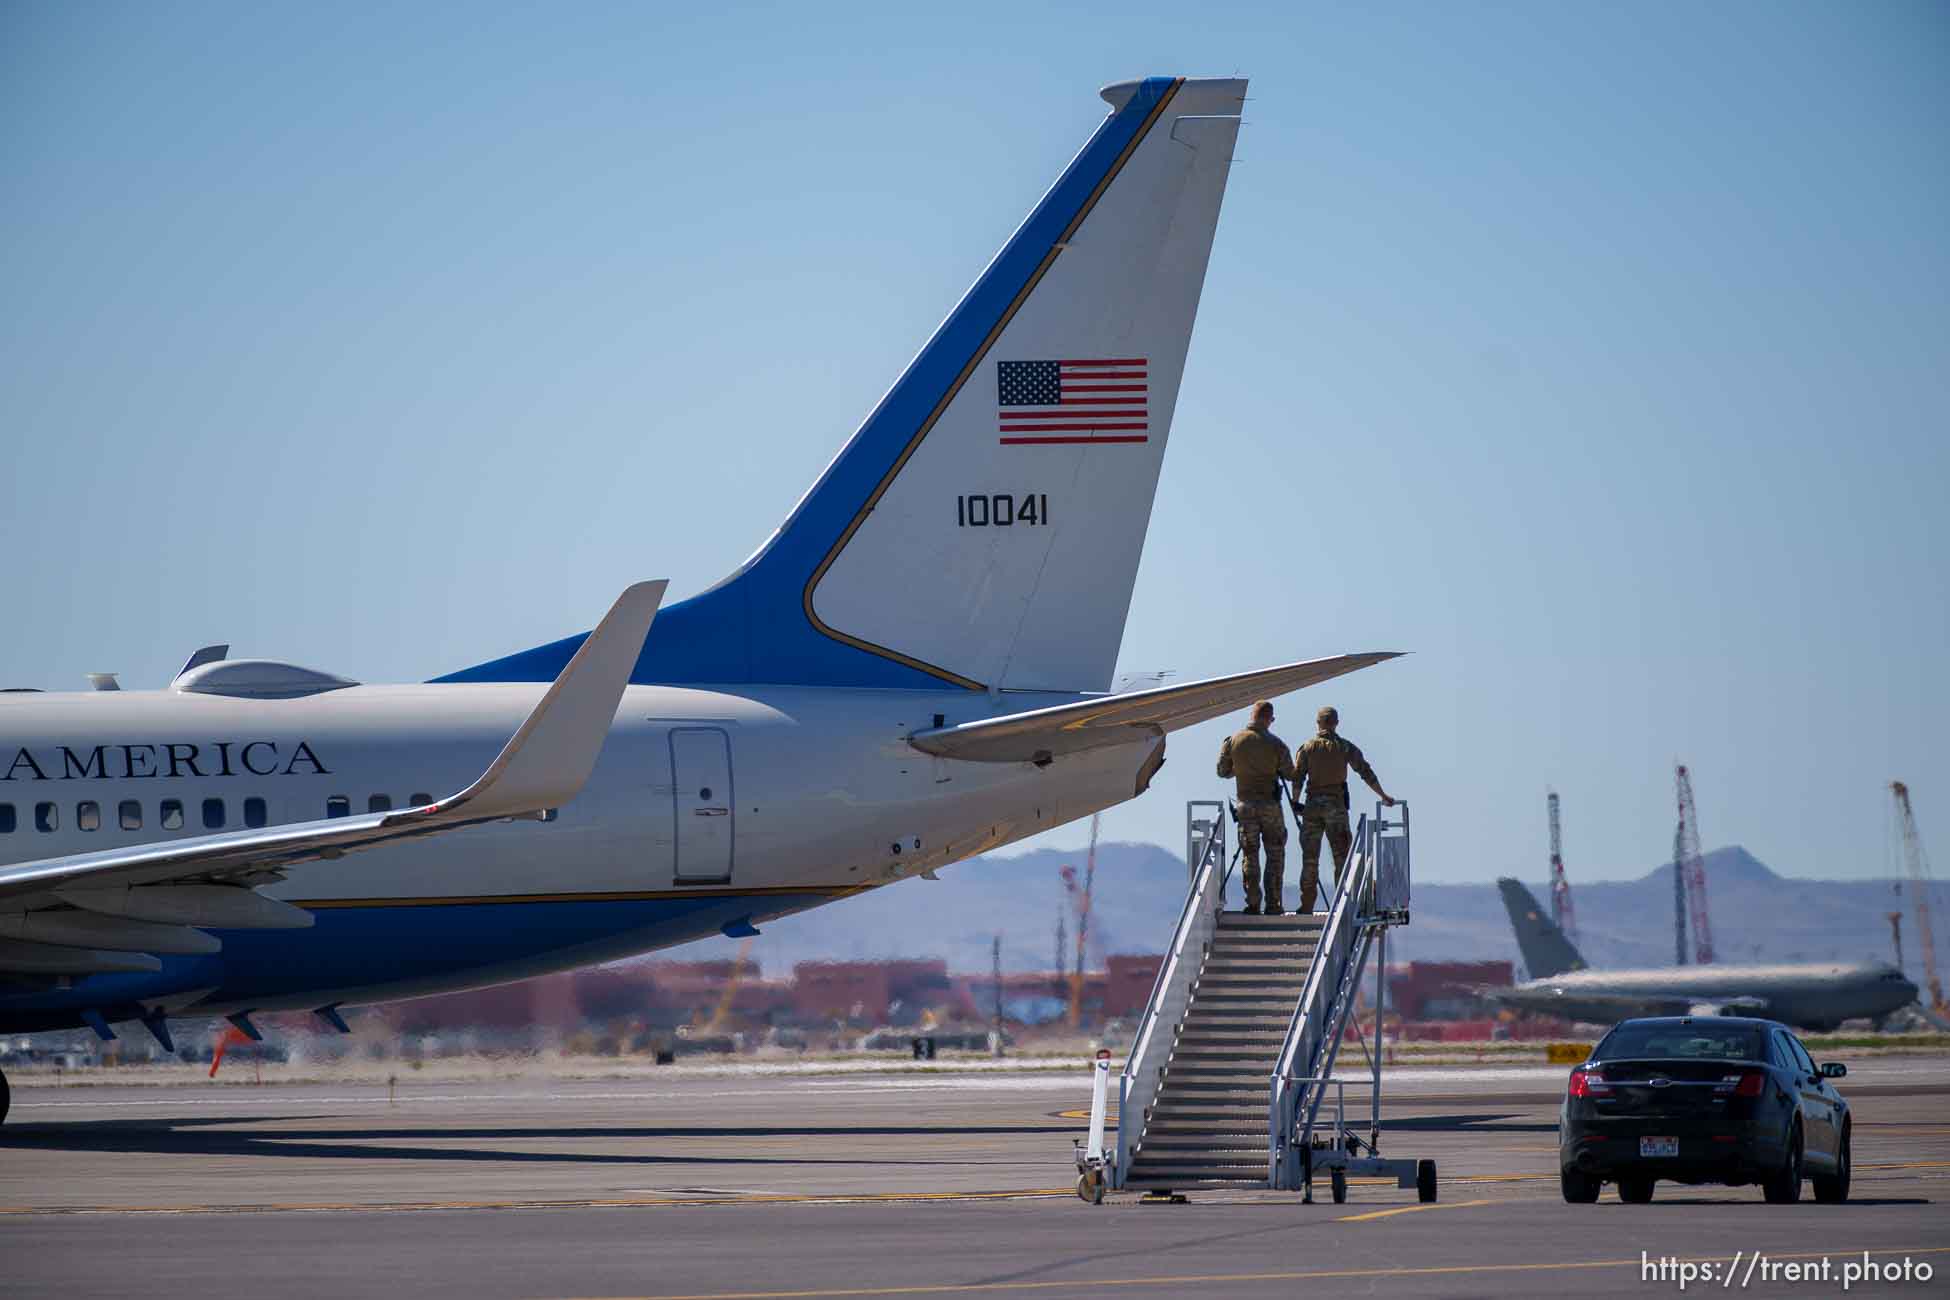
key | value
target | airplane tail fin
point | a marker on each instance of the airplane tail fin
(982, 528)
(1546, 952)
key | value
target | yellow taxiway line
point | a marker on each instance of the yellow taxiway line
(1413, 1209)
(587, 1203)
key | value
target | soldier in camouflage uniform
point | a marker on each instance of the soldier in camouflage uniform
(1256, 760)
(1322, 763)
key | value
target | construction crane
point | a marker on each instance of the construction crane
(1689, 878)
(1062, 947)
(1561, 914)
(1081, 897)
(1920, 885)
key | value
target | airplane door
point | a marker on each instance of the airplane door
(700, 766)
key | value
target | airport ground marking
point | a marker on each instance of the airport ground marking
(587, 1203)
(1195, 1279)
(1415, 1209)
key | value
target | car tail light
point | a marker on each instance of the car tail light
(1747, 1084)
(1584, 1083)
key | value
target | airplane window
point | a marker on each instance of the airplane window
(46, 817)
(131, 813)
(338, 806)
(380, 803)
(213, 814)
(7, 820)
(422, 800)
(172, 814)
(254, 813)
(705, 793)
(88, 815)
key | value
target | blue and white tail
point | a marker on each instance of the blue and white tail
(983, 527)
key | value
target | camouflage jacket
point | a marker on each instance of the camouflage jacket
(1323, 763)
(1255, 759)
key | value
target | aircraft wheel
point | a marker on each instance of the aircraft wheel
(1425, 1181)
(1090, 1187)
(1338, 1180)
(5, 1097)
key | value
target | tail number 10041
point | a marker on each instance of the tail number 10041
(1001, 510)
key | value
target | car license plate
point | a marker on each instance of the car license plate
(1650, 1147)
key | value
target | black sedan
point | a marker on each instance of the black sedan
(1703, 1099)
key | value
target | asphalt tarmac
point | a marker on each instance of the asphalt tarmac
(681, 1183)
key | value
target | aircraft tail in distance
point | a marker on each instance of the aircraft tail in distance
(1546, 952)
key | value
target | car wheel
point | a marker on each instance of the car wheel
(1832, 1189)
(1636, 1191)
(1784, 1187)
(1580, 1188)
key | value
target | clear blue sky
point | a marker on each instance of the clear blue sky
(1598, 354)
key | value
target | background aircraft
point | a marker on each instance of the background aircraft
(909, 672)
(1816, 996)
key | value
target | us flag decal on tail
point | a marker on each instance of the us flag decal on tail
(1043, 402)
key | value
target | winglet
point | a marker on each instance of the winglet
(547, 760)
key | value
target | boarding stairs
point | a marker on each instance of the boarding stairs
(1230, 1079)
(1207, 1126)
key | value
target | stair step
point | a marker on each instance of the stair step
(1249, 980)
(1174, 1173)
(1181, 1183)
(1249, 1121)
(1271, 963)
(1220, 1054)
(1299, 936)
(1201, 1065)
(1229, 1113)
(1262, 1045)
(1227, 1134)
(1305, 940)
(1224, 1002)
(1283, 921)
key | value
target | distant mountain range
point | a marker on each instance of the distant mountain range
(1757, 916)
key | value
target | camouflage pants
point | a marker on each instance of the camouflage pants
(1325, 811)
(1262, 820)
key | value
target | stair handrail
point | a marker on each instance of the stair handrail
(1297, 1074)
(1137, 1088)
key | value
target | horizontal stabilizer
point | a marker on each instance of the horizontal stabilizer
(1118, 719)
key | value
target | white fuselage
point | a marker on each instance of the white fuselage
(708, 810)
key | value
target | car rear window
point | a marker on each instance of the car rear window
(1681, 1042)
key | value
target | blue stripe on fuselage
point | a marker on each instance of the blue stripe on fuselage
(402, 951)
(752, 627)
